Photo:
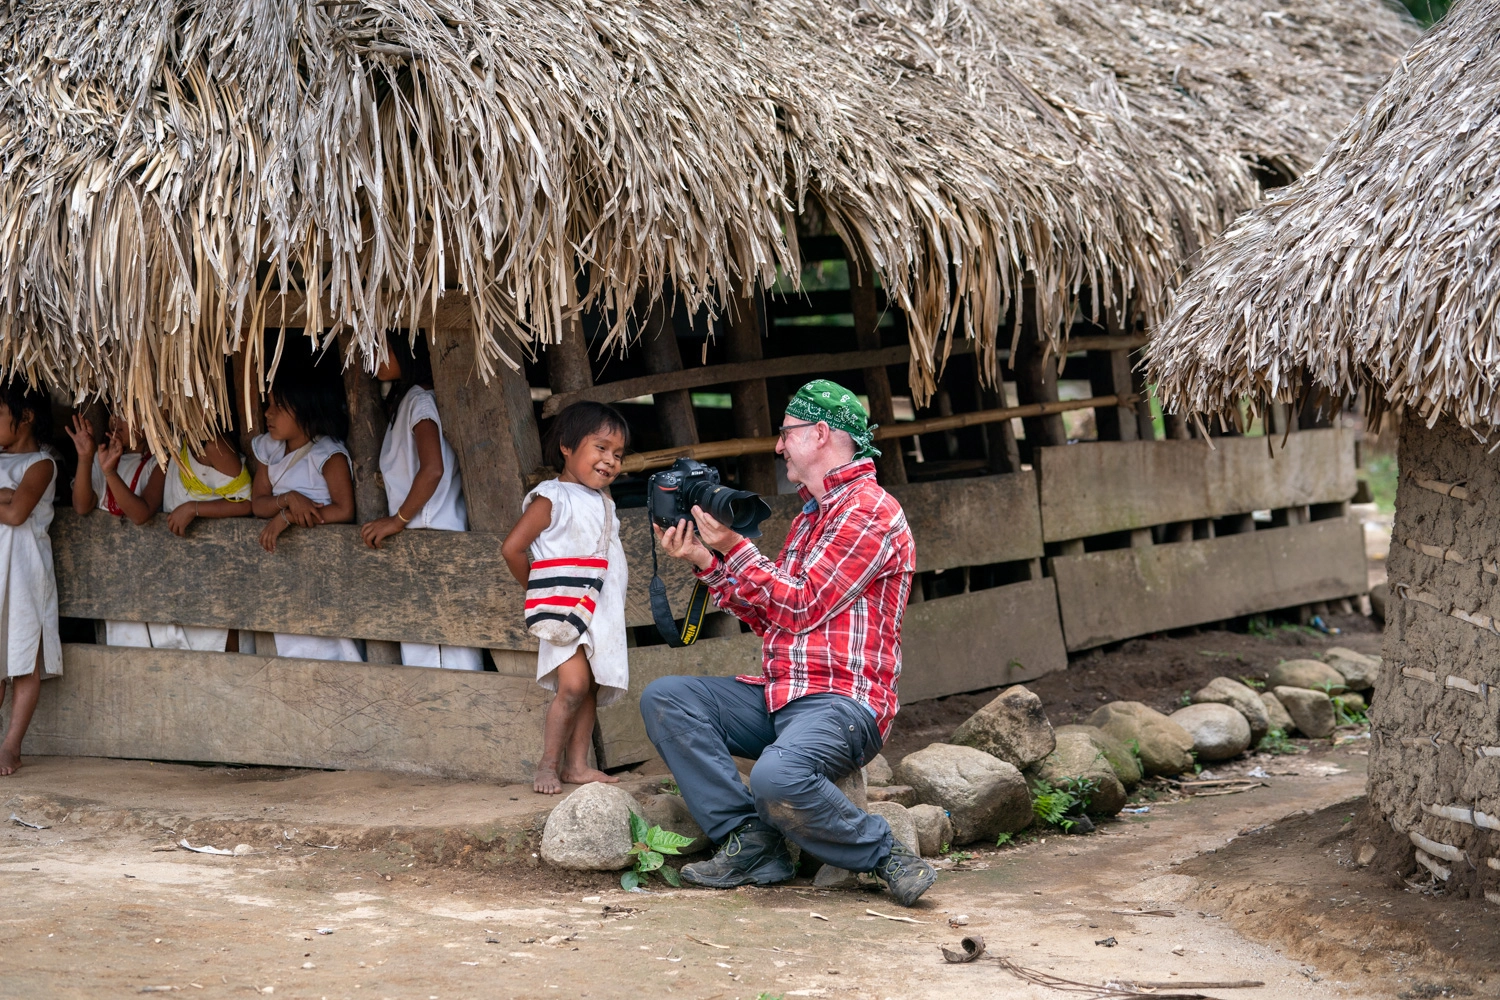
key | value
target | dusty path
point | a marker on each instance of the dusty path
(94, 911)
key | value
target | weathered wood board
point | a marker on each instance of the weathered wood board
(439, 586)
(165, 704)
(968, 642)
(1002, 635)
(1120, 593)
(1097, 487)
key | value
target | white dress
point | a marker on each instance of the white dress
(577, 519)
(443, 511)
(28, 615)
(302, 470)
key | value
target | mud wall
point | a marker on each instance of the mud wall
(1435, 754)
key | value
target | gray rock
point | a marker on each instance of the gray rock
(1311, 711)
(1076, 756)
(1013, 727)
(1315, 675)
(1360, 672)
(854, 788)
(984, 796)
(1276, 713)
(1241, 698)
(1353, 701)
(878, 772)
(590, 829)
(1379, 594)
(1219, 732)
(934, 829)
(903, 826)
(1126, 767)
(671, 813)
(830, 877)
(903, 794)
(1164, 746)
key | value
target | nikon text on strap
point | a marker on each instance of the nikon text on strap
(661, 609)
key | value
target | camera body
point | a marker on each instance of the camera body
(672, 494)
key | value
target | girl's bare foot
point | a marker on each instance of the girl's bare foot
(10, 762)
(546, 781)
(584, 775)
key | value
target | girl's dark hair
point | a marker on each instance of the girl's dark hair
(19, 397)
(416, 369)
(319, 409)
(577, 422)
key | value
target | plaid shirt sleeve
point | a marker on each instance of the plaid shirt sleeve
(719, 583)
(846, 556)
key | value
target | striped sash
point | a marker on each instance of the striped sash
(561, 594)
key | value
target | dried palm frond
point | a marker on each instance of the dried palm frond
(166, 166)
(1378, 269)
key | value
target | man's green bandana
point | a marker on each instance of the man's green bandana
(831, 403)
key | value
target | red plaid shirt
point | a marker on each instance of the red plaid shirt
(830, 606)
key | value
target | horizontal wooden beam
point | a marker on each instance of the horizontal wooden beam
(644, 460)
(1111, 343)
(740, 371)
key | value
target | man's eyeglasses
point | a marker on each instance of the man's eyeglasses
(781, 431)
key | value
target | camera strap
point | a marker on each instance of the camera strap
(661, 609)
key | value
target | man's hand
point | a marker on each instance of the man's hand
(715, 535)
(680, 542)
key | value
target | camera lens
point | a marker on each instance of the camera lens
(740, 509)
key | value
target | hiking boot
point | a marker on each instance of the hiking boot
(754, 854)
(905, 874)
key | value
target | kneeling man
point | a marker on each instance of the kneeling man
(829, 611)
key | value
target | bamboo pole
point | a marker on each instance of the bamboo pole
(642, 461)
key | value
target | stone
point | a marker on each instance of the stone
(1163, 745)
(903, 827)
(1360, 672)
(1241, 698)
(590, 829)
(831, 877)
(1276, 713)
(1311, 711)
(1076, 756)
(934, 829)
(854, 788)
(903, 794)
(878, 772)
(1219, 732)
(670, 812)
(984, 795)
(1315, 675)
(1013, 727)
(1126, 767)
(1379, 594)
(1353, 701)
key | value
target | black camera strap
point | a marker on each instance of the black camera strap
(661, 609)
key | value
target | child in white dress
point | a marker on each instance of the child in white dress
(303, 477)
(565, 518)
(422, 484)
(28, 608)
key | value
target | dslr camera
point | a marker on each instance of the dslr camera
(672, 494)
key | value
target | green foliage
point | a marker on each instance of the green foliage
(959, 857)
(1186, 699)
(1429, 12)
(1135, 751)
(670, 787)
(648, 848)
(1051, 804)
(1349, 715)
(1381, 474)
(768, 996)
(1277, 743)
(1004, 839)
(1260, 627)
(1253, 683)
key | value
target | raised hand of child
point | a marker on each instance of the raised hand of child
(272, 531)
(300, 510)
(114, 447)
(82, 433)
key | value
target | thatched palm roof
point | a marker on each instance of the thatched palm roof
(1378, 268)
(156, 152)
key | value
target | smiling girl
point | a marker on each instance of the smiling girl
(564, 518)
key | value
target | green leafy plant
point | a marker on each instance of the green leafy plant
(1260, 627)
(1278, 743)
(1135, 751)
(770, 996)
(670, 787)
(648, 848)
(1254, 683)
(959, 857)
(1052, 805)
(1004, 839)
(1349, 714)
(1186, 699)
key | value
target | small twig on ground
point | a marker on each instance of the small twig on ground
(886, 916)
(1144, 913)
(817, 916)
(1228, 984)
(721, 947)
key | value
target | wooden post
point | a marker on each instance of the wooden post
(568, 362)
(1036, 382)
(1109, 374)
(890, 467)
(674, 408)
(752, 409)
(367, 425)
(1176, 427)
(492, 427)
